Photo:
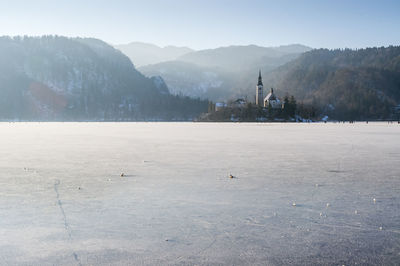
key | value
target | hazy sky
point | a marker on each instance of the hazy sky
(210, 23)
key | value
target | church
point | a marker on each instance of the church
(270, 99)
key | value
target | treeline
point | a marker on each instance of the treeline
(290, 111)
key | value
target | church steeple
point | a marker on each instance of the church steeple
(259, 78)
(259, 90)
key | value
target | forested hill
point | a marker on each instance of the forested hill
(59, 78)
(345, 84)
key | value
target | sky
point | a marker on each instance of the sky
(202, 24)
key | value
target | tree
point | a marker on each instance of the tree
(286, 106)
(211, 107)
(289, 106)
(293, 106)
(270, 114)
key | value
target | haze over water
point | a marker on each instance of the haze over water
(63, 200)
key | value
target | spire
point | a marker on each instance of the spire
(259, 78)
(272, 90)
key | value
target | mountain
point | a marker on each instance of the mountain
(145, 54)
(218, 74)
(292, 48)
(190, 79)
(344, 84)
(59, 78)
(238, 58)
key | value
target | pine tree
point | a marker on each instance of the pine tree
(286, 107)
(270, 114)
(293, 106)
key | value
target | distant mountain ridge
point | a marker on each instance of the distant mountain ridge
(59, 78)
(237, 57)
(142, 54)
(218, 74)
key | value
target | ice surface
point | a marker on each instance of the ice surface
(63, 200)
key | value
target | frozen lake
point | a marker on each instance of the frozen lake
(63, 201)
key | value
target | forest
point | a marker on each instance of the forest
(344, 84)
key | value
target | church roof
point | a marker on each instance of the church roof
(271, 96)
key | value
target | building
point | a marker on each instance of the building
(219, 106)
(239, 103)
(259, 91)
(272, 100)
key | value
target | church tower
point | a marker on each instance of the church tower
(259, 92)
